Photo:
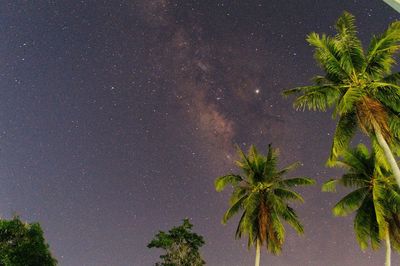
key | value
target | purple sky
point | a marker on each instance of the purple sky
(117, 116)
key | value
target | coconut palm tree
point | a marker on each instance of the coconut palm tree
(375, 199)
(262, 195)
(359, 86)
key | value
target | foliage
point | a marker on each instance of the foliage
(262, 195)
(358, 84)
(23, 244)
(181, 246)
(375, 198)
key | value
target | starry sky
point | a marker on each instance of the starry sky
(117, 116)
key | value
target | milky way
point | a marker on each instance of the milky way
(117, 116)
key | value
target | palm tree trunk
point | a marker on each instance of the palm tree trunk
(389, 156)
(388, 249)
(258, 251)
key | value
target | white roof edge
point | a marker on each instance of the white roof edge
(394, 3)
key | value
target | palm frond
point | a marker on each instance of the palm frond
(390, 97)
(244, 163)
(393, 78)
(240, 228)
(361, 151)
(233, 209)
(382, 85)
(286, 194)
(255, 160)
(297, 181)
(394, 125)
(316, 98)
(222, 181)
(345, 130)
(393, 199)
(348, 45)
(323, 80)
(350, 202)
(354, 180)
(357, 162)
(327, 55)
(271, 163)
(278, 234)
(237, 193)
(380, 210)
(249, 221)
(381, 50)
(290, 216)
(330, 185)
(366, 226)
(347, 102)
(288, 168)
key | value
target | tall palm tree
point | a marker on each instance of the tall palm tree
(375, 199)
(262, 194)
(359, 86)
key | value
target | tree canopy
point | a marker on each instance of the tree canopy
(262, 194)
(181, 246)
(360, 87)
(23, 244)
(375, 199)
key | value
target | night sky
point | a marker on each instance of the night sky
(117, 116)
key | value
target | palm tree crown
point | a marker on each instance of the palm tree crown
(262, 194)
(358, 85)
(375, 198)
